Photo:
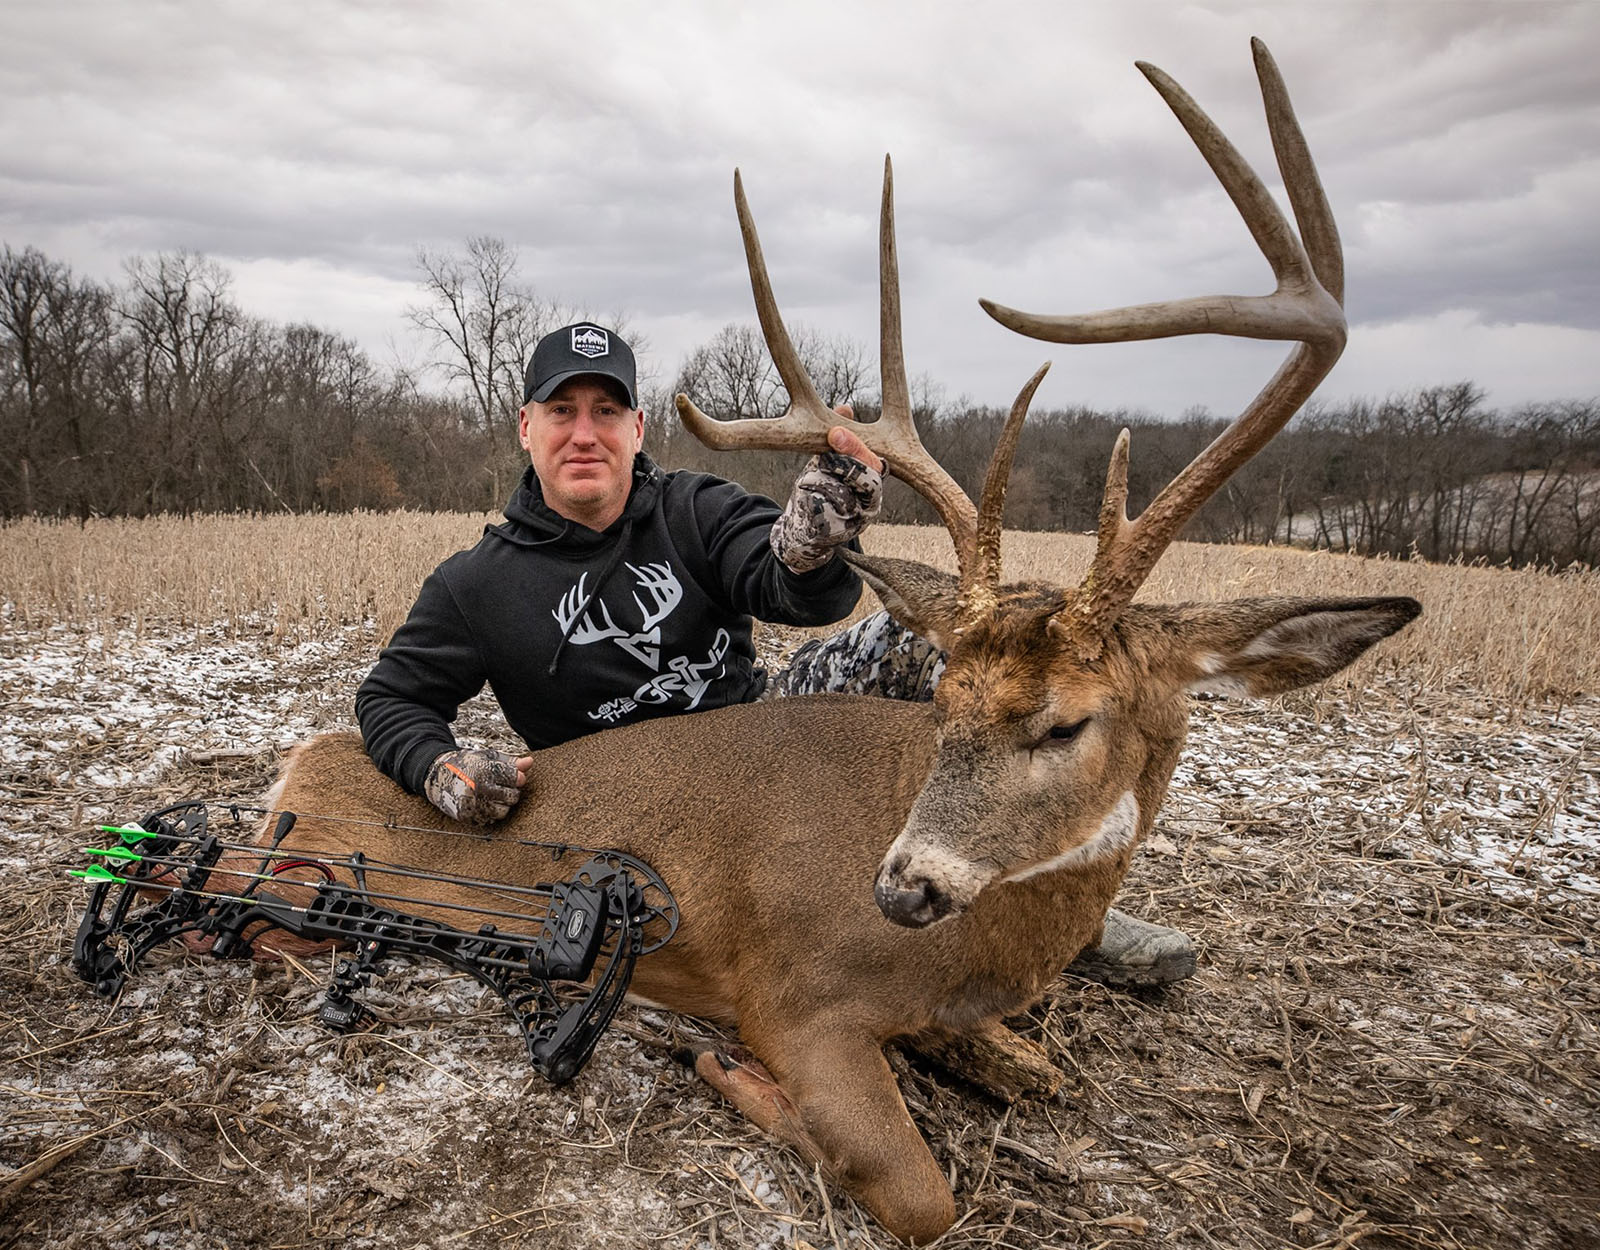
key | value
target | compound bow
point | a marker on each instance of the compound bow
(584, 933)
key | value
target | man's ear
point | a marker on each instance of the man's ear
(921, 598)
(1262, 647)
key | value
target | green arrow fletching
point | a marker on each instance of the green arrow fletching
(114, 852)
(98, 872)
(128, 833)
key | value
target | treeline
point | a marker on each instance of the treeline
(1434, 473)
(160, 394)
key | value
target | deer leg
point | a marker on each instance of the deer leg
(739, 1077)
(835, 1102)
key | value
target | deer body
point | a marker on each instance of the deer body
(773, 868)
(778, 933)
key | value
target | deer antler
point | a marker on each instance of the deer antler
(1307, 306)
(805, 426)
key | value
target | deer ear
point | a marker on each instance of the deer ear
(921, 598)
(1261, 647)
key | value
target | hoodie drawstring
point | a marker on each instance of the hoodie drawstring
(620, 546)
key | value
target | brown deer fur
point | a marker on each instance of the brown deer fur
(773, 866)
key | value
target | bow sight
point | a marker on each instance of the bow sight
(559, 954)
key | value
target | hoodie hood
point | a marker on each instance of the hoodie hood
(530, 522)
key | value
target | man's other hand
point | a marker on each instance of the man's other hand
(479, 787)
(835, 497)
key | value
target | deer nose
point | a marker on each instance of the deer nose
(914, 904)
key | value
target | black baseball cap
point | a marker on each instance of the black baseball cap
(573, 351)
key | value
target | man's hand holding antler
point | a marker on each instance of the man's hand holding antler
(837, 495)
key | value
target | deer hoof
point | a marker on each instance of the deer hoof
(739, 1077)
(715, 1061)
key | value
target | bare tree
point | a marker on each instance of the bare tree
(732, 375)
(55, 330)
(839, 366)
(194, 356)
(1551, 497)
(26, 280)
(483, 323)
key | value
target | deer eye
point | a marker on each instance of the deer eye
(1064, 733)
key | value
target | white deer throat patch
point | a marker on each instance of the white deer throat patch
(1115, 835)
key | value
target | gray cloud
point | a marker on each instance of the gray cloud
(314, 148)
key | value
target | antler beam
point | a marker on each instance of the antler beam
(1306, 306)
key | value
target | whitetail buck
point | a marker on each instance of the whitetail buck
(1007, 811)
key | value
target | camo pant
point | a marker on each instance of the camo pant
(875, 656)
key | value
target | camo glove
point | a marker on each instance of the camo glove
(834, 499)
(479, 787)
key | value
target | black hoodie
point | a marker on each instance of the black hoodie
(575, 630)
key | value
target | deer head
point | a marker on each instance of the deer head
(1061, 712)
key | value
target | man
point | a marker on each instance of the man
(615, 592)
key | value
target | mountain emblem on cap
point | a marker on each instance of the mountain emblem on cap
(591, 342)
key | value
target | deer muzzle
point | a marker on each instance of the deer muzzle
(919, 884)
(915, 907)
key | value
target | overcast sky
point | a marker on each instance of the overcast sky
(312, 148)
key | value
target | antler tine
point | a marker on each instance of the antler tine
(1305, 306)
(1300, 308)
(805, 425)
(1311, 210)
(891, 352)
(803, 397)
(982, 593)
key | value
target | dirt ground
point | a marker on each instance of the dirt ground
(1391, 1039)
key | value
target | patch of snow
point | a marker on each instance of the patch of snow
(1517, 804)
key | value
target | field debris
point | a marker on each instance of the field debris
(1391, 1040)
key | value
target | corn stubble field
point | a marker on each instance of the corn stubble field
(1394, 882)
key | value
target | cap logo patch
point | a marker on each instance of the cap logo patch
(590, 342)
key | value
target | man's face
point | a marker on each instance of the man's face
(582, 441)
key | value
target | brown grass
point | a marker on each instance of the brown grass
(1514, 637)
(293, 576)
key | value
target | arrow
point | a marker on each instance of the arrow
(128, 833)
(98, 872)
(113, 852)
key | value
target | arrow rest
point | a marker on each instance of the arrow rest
(561, 965)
